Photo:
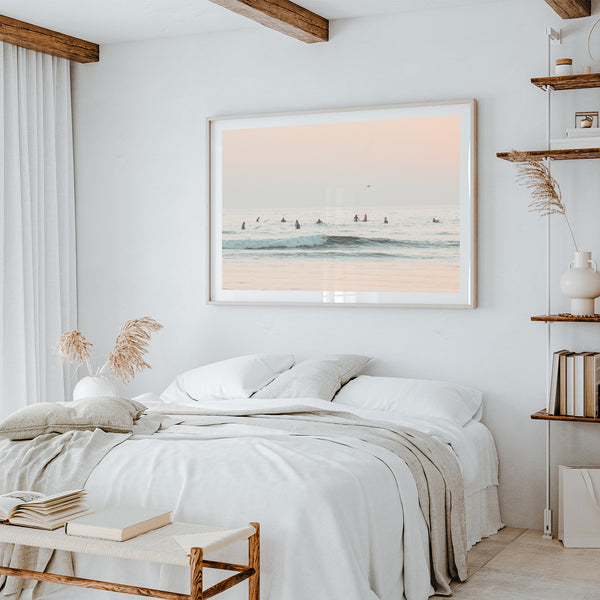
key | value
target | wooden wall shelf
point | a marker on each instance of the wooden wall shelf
(568, 154)
(544, 416)
(568, 82)
(566, 318)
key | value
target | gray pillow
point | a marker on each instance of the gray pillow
(315, 377)
(115, 415)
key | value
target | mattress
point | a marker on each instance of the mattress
(340, 518)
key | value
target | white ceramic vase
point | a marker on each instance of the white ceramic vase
(95, 387)
(581, 283)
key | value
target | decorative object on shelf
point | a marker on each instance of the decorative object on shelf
(545, 191)
(123, 362)
(564, 66)
(581, 283)
(589, 38)
(585, 119)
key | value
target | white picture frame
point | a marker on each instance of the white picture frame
(410, 167)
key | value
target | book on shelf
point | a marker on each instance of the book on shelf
(118, 524)
(553, 407)
(570, 384)
(575, 384)
(575, 142)
(579, 384)
(42, 511)
(562, 383)
(583, 132)
(592, 383)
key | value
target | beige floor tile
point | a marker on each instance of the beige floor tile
(506, 535)
(534, 536)
(489, 584)
(531, 554)
(483, 552)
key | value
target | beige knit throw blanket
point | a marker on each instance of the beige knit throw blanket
(434, 467)
(49, 463)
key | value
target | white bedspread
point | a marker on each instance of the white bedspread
(339, 518)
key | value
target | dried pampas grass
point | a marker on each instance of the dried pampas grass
(72, 346)
(126, 357)
(131, 344)
(545, 191)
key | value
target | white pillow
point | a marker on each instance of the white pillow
(236, 377)
(316, 377)
(420, 398)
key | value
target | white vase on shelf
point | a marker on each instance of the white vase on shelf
(95, 387)
(581, 283)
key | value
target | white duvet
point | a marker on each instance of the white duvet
(339, 517)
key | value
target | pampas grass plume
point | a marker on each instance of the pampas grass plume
(72, 346)
(546, 197)
(126, 358)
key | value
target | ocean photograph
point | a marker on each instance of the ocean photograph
(406, 249)
(359, 206)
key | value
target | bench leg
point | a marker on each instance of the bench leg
(196, 556)
(254, 562)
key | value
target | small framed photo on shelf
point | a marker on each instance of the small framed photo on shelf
(586, 119)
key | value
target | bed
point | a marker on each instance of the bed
(340, 516)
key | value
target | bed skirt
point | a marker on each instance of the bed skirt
(483, 514)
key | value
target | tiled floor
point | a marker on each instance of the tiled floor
(518, 564)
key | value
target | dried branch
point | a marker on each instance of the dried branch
(545, 191)
(131, 344)
(72, 346)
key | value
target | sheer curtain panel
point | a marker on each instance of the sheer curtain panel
(37, 228)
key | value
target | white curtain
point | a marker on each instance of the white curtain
(37, 226)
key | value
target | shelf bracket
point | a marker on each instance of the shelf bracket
(555, 35)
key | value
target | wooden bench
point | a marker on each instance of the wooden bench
(159, 546)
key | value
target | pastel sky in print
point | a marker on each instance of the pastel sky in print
(377, 163)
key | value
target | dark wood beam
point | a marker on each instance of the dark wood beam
(47, 41)
(283, 16)
(571, 9)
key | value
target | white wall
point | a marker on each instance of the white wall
(141, 206)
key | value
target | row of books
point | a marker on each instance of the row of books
(70, 510)
(575, 384)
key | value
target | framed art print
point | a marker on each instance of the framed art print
(361, 206)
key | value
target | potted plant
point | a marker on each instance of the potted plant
(125, 359)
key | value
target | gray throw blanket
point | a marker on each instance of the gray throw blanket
(435, 469)
(49, 463)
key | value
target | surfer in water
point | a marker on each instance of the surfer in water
(319, 222)
(296, 224)
(365, 218)
(435, 220)
(385, 220)
(244, 225)
(257, 219)
(283, 220)
(356, 219)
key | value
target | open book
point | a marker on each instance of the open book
(43, 511)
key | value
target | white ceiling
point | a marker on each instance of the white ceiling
(110, 21)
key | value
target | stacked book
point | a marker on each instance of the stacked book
(580, 137)
(574, 385)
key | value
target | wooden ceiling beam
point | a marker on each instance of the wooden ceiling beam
(283, 16)
(47, 41)
(571, 9)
